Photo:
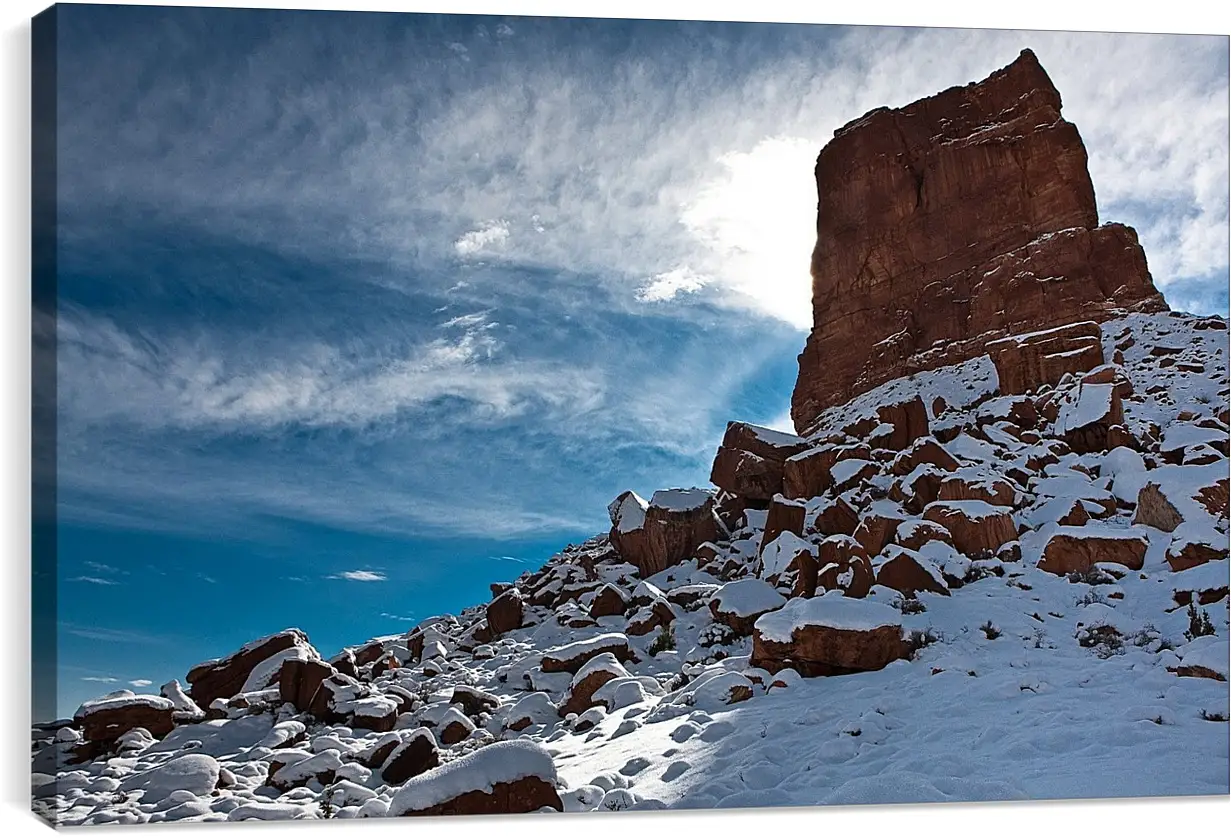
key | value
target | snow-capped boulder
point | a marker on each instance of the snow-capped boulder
(411, 755)
(908, 421)
(473, 700)
(828, 635)
(977, 484)
(664, 532)
(878, 526)
(255, 666)
(506, 612)
(194, 774)
(597, 671)
(299, 680)
(609, 601)
(1194, 543)
(908, 572)
(785, 552)
(103, 721)
(784, 515)
(749, 463)
(738, 604)
(186, 710)
(503, 778)
(843, 565)
(832, 516)
(1079, 549)
(977, 527)
(535, 709)
(1087, 416)
(292, 769)
(572, 656)
(924, 451)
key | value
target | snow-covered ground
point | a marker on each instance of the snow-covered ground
(1023, 684)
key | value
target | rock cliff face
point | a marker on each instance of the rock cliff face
(959, 219)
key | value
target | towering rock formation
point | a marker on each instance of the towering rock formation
(962, 218)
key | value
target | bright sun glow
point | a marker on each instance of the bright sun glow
(757, 219)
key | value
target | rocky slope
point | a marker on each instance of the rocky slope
(1001, 576)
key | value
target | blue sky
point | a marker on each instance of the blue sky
(359, 313)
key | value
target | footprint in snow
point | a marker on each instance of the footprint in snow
(675, 769)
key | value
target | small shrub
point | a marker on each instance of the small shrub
(1092, 597)
(1213, 717)
(990, 631)
(1093, 576)
(665, 640)
(1106, 641)
(1199, 624)
(920, 639)
(909, 605)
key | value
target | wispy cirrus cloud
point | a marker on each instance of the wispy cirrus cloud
(93, 580)
(360, 576)
(610, 160)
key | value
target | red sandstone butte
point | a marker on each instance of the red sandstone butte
(959, 219)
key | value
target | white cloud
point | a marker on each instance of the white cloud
(633, 168)
(490, 237)
(141, 682)
(93, 580)
(666, 286)
(110, 375)
(361, 576)
(100, 679)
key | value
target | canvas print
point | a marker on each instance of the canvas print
(462, 415)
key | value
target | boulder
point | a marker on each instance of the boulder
(828, 635)
(299, 680)
(782, 554)
(925, 450)
(664, 532)
(473, 700)
(843, 565)
(1025, 362)
(253, 667)
(572, 656)
(1086, 417)
(978, 528)
(914, 534)
(610, 601)
(413, 755)
(503, 778)
(647, 618)
(1079, 549)
(877, 528)
(598, 671)
(972, 484)
(908, 420)
(506, 612)
(784, 515)
(738, 604)
(908, 572)
(750, 461)
(808, 474)
(949, 222)
(104, 720)
(834, 517)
